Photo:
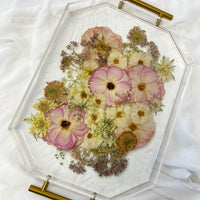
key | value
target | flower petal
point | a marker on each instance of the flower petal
(80, 130)
(51, 136)
(55, 115)
(145, 133)
(115, 73)
(97, 85)
(65, 141)
(101, 73)
(148, 75)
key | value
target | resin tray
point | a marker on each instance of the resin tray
(144, 163)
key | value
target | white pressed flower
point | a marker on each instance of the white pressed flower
(90, 141)
(140, 113)
(156, 105)
(117, 59)
(164, 69)
(136, 58)
(90, 65)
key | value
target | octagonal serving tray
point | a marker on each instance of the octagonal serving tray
(144, 164)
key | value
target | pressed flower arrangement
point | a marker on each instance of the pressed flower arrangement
(104, 106)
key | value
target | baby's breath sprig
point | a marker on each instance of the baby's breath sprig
(104, 130)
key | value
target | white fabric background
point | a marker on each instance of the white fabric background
(25, 29)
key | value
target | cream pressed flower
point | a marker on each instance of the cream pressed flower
(90, 65)
(117, 59)
(144, 132)
(90, 141)
(121, 116)
(139, 58)
(81, 96)
(164, 69)
(93, 116)
(140, 113)
(97, 101)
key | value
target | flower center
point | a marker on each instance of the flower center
(119, 114)
(140, 62)
(52, 92)
(40, 124)
(133, 126)
(127, 141)
(65, 124)
(141, 86)
(116, 61)
(98, 101)
(94, 117)
(110, 86)
(43, 107)
(90, 72)
(83, 94)
(140, 113)
(164, 69)
(89, 135)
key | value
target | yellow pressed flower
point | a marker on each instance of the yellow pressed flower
(39, 124)
(44, 106)
(164, 69)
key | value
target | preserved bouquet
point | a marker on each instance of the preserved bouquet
(104, 105)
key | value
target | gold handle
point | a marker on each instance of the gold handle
(44, 192)
(149, 7)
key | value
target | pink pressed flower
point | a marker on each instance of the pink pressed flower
(143, 132)
(67, 128)
(113, 82)
(103, 33)
(145, 84)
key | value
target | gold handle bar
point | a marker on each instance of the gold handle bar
(149, 7)
(44, 192)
